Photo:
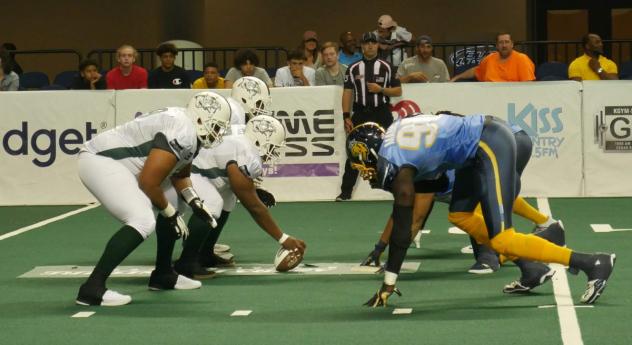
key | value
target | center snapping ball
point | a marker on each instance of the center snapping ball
(285, 260)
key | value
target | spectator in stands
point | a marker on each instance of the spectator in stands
(423, 67)
(9, 80)
(89, 77)
(246, 65)
(168, 75)
(295, 73)
(348, 49)
(16, 66)
(392, 39)
(310, 48)
(210, 79)
(331, 72)
(126, 75)
(505, 64)
(593, 65)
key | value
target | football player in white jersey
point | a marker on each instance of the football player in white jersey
(227, 173)
(127, 168)
(254, 95)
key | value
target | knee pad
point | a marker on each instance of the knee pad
(145, 225)
(501, 242)
(472, 223)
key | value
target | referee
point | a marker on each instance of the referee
(369, 84)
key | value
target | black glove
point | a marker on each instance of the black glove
(197, 206)
(374, 256)
(201, 211)
(382, 295)
(266, 197)
(178, 225)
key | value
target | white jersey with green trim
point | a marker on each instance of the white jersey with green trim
(131, 142)
(212, 163)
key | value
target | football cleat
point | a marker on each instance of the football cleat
(101, 296)
(221, 248)
(534, 275)
(554, 233)
(343, 197)
(171, 281)
(481, 267)
(381, 296)
(192, 270)
(598, 276)
(215, 260)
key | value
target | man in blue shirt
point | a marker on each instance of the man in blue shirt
(348, 49)
(482, 150)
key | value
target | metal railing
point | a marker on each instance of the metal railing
(195, 58)
(461, 56)
(76, 54)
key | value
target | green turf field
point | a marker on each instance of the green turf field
(449, 306)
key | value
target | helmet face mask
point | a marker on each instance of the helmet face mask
(268, 135)
(254, 96)
(210, 114)
(363, 144)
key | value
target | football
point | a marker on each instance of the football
(285, 260)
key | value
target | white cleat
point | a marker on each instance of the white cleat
(184, 283)
(221, 248)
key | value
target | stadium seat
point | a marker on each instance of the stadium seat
(33, 80)
(625, 70)
(194, 74)
(271, 71)
(552, 71)
(65, 78)
(53, 87)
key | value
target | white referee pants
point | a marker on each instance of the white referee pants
(117, 190)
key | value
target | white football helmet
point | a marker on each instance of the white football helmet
(254, 95)
(210, 114)
(268, 135)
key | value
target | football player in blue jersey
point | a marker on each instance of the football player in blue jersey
(487, 261)
(482, 150)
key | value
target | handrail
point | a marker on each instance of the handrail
(47, 51)
(190, 57)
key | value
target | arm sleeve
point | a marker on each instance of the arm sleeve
(403, 34)
(401, 71)
(573, 70)
(611, 67)
(161, 142)
(231, 75)
(143, 81)
(526, 69)
(320, 79)
(278, 78)
(445, 75)
(394, 82)
(311, 76)
(348, 84)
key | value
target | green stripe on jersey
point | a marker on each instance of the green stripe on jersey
(209, 173)
(117, 153)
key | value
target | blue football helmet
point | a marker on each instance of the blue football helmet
(363, 145)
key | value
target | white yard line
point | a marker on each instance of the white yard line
(47, 221)
(569, 326)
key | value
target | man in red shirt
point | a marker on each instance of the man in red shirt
(505, 64)
(126, 75)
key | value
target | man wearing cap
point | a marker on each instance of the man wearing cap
(393, 39)
(369, 84)
(423, 67)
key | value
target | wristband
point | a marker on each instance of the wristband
(168, 211)
(188, 194)
(346, 115)
(283, 238)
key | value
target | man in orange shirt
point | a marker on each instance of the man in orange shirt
(505, 64)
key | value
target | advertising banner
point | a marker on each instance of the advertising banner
(548, 111)
(42, 131)
(607, 120)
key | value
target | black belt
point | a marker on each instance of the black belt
(369, 108)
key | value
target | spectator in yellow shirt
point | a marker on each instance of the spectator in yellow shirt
(210, 79)
(592, 65)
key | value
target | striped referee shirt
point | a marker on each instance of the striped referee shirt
(370, 71)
